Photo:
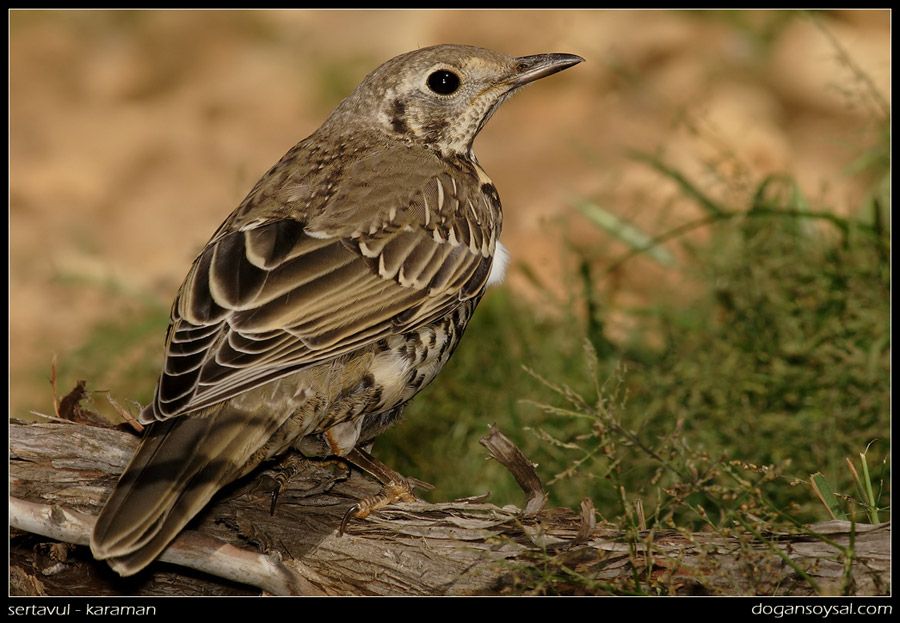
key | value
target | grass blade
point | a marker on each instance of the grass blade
(826, 495)
(626, 232)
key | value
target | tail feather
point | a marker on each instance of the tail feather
(180, 465)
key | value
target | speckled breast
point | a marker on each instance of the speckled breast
(349, 401)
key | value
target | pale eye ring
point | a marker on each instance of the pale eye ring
(443, 82)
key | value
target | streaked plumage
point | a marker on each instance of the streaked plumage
(334, 293)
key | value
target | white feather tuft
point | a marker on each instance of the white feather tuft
(498, 267)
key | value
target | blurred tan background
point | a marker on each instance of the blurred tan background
(134, 133)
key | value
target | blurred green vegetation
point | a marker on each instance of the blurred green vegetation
(756, 400)
(718, 405)
(121, 357)
(781, 360)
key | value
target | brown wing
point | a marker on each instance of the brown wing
(275, 297)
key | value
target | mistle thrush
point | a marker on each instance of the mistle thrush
(331, 296)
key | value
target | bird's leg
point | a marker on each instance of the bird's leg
(396, 488)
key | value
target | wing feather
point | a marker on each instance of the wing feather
(270, 297)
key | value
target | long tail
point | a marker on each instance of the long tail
(180, 464)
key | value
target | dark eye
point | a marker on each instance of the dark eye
(443, 82)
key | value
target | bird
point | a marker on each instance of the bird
(335, 291)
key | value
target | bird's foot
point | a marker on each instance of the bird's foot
(276, 479)
(395, 487)
(398, 491)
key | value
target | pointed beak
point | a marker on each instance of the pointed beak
(531, 68)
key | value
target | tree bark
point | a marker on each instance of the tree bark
(61, 472)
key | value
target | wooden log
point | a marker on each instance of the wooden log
(61, 472)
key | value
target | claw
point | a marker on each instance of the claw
(277, 479)
(394, 491)
(351, 512)
(275, 493)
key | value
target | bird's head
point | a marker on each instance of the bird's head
(442, 96)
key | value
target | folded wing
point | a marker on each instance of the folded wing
(276, 296)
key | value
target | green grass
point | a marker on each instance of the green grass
(732, 402)
(761, 402)
(121, 358)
